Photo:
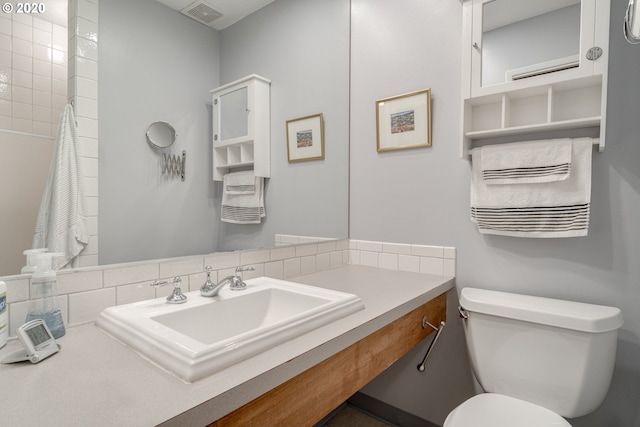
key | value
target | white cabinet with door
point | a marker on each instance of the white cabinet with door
(241, 127)
(533, 66)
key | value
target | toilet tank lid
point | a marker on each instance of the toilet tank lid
(547, 311)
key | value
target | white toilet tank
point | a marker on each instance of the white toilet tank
(557, 354)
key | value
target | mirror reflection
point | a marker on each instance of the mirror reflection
(233, 114)
(632, 22)
(155, 62)
(524, 38)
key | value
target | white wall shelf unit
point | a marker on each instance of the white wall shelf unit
(241, 127)
(565, 100)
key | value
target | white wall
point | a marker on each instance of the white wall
(302, 46)
(422, 196)
(155, 64)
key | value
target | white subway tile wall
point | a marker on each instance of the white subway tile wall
(83, 94)
(33, 73)
(84, 292)
(439, 260)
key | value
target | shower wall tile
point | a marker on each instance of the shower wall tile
(5, 108)
(81, 74)
(20, 30)
(30, 47)
(5, 42)
(5, 25)
(5, 58)
(87, 10)
(41, 24)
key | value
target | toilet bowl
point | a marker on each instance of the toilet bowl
(537, 359)
(497, 410)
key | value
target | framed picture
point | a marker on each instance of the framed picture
(305, 138)
(404, 121)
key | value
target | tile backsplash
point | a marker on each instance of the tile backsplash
(85, 292)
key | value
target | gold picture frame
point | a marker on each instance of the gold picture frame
(305, 138)
(404, 121)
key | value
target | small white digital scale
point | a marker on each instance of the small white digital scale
(37, 343)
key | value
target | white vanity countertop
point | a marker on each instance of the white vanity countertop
(95, 380)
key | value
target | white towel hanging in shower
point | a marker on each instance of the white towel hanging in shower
(61, 225)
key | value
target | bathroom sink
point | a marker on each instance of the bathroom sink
(204, 335)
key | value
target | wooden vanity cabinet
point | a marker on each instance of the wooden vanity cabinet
(308, 397)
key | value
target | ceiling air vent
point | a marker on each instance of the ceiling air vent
(201, 12)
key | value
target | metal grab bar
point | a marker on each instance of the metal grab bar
(425, 323)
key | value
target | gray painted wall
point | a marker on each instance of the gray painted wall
(422, 196)
(302, 46)
(148, 73)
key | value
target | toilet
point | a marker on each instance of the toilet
(539, 360)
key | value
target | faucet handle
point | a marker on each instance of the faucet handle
(243, 269)
(238, 282)
(176, 297)
(208, 287)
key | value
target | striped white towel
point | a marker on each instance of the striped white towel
(527, 162)
(242, 182)
(62, 222)
(552, 209)
(241, 205)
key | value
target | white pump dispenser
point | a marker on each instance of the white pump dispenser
(43, 304)
(31, 254)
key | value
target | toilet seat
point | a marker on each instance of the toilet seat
(497, 410)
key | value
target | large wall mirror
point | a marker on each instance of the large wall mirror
(158, 65)
(523, 38)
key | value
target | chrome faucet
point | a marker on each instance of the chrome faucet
(176, 297)
(235, 282)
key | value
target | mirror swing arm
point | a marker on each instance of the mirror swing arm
(161, 135)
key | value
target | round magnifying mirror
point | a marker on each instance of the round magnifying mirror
(161, 134)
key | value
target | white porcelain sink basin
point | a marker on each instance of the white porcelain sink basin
(204, 335)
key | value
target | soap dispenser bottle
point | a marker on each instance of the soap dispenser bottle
(43, 304)
(31, 255)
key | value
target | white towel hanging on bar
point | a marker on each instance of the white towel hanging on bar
(243, 198)
(551, 209)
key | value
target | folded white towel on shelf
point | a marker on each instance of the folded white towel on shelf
(527, 162)
(243, 198)
(550, 209)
